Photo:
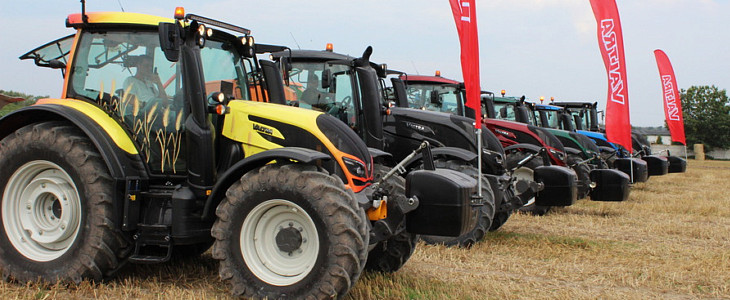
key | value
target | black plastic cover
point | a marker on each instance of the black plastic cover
(561, 186)
(445, 207)
(641, 172)
(658, 165)
(611, 185)
(677, 164)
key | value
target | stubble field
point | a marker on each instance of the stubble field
(670, 240)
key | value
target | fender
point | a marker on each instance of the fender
(375, 153)
(607, 149)
(97, 125)
(301, 155)
(529, 147)
(571, 150)
(449, 152)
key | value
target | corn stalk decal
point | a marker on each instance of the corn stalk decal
(169, 142)
(145, 128)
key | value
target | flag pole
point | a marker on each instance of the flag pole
(479, 158)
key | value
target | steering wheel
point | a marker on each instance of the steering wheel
(346, 101)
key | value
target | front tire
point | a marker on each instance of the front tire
(290, 231)
(484, 215)
(391, 254)
(584, 175)
(527, 172)
(56, 207)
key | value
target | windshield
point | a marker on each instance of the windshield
(442, 98)
(550, 118)
(332, 92)
(505, 111)
(226, 72)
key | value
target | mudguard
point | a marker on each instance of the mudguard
(445, 207)
(677, 164)
(571, 150)
(449, 152)
(375, 153)
(611, 185)
(657, 165)
(300, 155)
(560, 186)
(640, 171)
(530, 147)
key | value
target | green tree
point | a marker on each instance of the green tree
(706, 112)
(29, 100)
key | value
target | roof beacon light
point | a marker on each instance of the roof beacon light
(552, 99)
(503, 92)
(179, 13)
(542, 98)
(438, 73)
(329, 47)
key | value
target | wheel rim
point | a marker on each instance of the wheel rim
(525, 174)
(41, 210)
(279, 242)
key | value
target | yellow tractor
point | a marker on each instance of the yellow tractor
(148, 155)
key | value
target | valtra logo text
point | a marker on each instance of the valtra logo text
(614, 74)
(671, 102)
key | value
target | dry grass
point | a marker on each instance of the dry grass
(671, 239)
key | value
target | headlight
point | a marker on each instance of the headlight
(355, 167)
(558, 154)
(498, 158)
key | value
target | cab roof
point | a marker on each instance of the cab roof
(547, 107)
(312, 55)
(575, 104)
(98, 18)
(423, 78)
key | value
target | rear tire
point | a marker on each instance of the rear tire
(391, 254)
(290, 231)
(484, 216)
(56, 207)
(527, 172)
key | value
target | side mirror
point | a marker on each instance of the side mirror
(503, 112)
(435, 98)
(326, 78)
(169, 34)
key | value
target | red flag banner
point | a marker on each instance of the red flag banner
(611, 43)
(465, 17)
(672, 102)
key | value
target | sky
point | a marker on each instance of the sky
(527, 47)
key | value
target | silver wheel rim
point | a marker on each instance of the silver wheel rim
(41, 210)
(525, 174)
(264, 257)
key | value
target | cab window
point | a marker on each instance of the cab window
(127, 74)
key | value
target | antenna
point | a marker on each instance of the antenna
(295, 40)
(414, 67)
(120, 5)
(84, 17)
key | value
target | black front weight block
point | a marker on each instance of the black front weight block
(445, 207)
(560, 186)
(641, 173)
(611, 185)
(658, 165)
(677, 164)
